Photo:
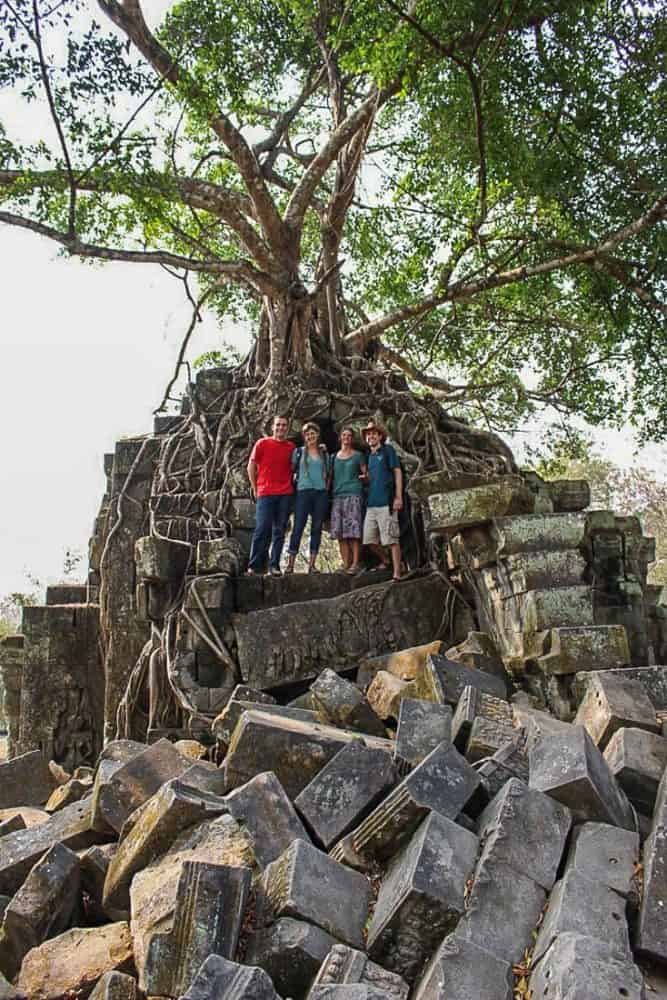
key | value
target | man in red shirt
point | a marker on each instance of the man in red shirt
(270, 475)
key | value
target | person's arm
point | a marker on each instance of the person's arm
(398, 488)
(252, 476)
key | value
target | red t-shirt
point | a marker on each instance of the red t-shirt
(274, 466)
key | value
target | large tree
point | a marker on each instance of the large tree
(472, 192)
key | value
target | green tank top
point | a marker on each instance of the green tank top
(346, 476)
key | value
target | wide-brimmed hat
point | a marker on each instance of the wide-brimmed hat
(373, 425)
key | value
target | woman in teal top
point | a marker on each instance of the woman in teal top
(347, 506)
(311, 472)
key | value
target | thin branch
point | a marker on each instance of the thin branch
(196, 318)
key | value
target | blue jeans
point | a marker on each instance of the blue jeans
(270, 522)
(313, 504)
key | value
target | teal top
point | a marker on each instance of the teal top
(312, 473)
(381, 465)
(346, 475)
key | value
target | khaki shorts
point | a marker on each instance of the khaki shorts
(381, 527)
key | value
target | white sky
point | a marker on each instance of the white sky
(85, 354)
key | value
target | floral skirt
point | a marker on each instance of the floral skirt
(347, 517)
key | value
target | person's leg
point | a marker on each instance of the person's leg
(262, 534)
(355, 546)
(319, 510)
(381, 553)
(280, 516)
(395, 551)
(390, 533)
(345, 552)
(301, 511)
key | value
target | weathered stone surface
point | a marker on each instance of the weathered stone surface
(652, 679)
(266, 815)
(358, 991)
(651, 935)
(64, 795)
(611, 702)
(190, 748)
(386, 693)
(344, 966)
(12, 824)
(592, 647)
(461, 970)
(584, 968)
(478, 650)
(75, 961)
(538, 533)
(581, 906)
(511, 761)
(224, 725)
(113, 757)
(137, 780)
(204, 776)
(19, 851)
(154, 890)
(570, 768)
(442, 680)
(307, 884)
(173, 808)
(444, 782)
(275, 649)
(210, 902)
(345, 790)
(218, 977)
(487, 737)
(405, 664)
(527, 830)
(296, 750)
(504, 907)
(474, 703)
(540, 610)
(637, 760)
(290, 951)
(25, 780)
(341, 703)
(9, 992)
(537, 725)
(533, 571)
(42, 908)
(159, 559)
(28, 816)
(422, 725)
(115, 986)
(605, 854)
(220, 555)
(94, 864)
(477, 505)
(422, 896)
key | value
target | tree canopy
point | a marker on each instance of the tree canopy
(473, 192)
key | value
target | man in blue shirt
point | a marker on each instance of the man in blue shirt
(385, 498)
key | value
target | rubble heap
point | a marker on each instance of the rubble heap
(320, 787)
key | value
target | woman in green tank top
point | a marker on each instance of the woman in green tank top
(347, 504)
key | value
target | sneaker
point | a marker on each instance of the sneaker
(275, 571)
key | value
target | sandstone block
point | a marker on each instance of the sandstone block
(210, 903)
(137, 780)
(385, 694)
(539, 610)
(651, 935)
(358, 991)
(527, 830)
(474, 703)
(296, 750)
(160, 559)
(461, 970)
(538, 533)
(266, 815)
(43, 907)
(115, 986)
(581, 906)
(405, 664)
(478, 650)
(345, 790)
(64, 795)
(306, 884)
(611, 702)
(203, 776)
(218, 977)
(422, 725)
(290, 951)
(477, 505)
(224, 724)
(486, 737)
(72, 963)
(173, 808)
(94, 864)
(344, 966)
(421, 898)
(586, 969)
(12, 824)
(637, 760)
(444, 782)
(591, 647)
(21, 850)
(570, 768)
(442, 680)
(341, 703)
(527, 571)
(605, 854)
(652, 679)
(220, 555)
(25, 780)
(511, 761)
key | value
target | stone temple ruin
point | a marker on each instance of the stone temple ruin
(317, 786)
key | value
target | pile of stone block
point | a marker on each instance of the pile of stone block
(413, 829)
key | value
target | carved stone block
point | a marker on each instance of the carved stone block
(341, 703)
(296, 750)
(605, 854)
(290, 951)
(538, 533)
(570, 768)
(42, 907)
(422, 896)
(474, 703)
(344, 966)
(527, 830)
(637, 760)
(611, 702)
(444, 782)
(422, 725)
(174, 807)
(274, 649)
(462, 969)
(307, 884)
(511, 761)
(582, 906)
(210, 904)
(137, 780)
(266, 815)
(219, 977)
(442, 680)
(25, 780)
(586, 969)
(345, 790)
